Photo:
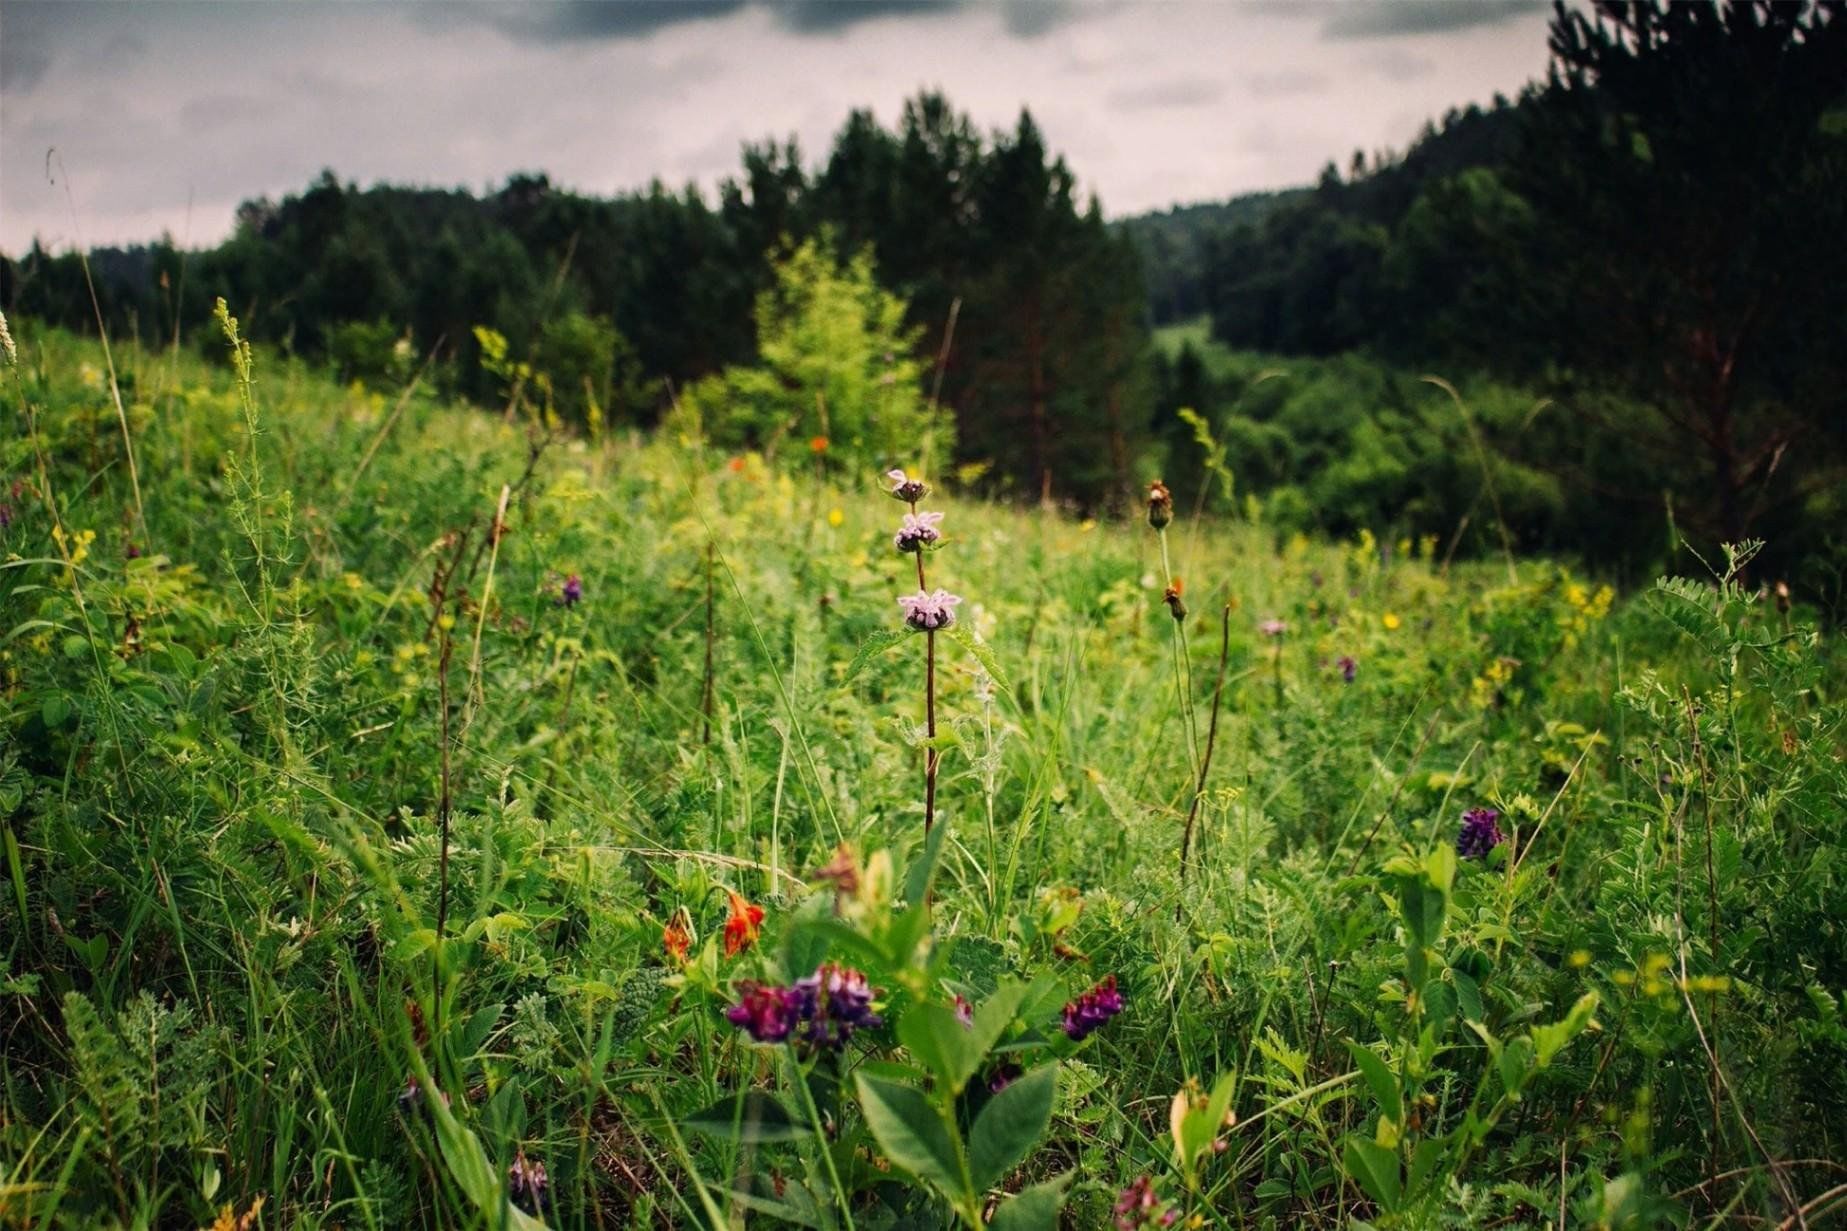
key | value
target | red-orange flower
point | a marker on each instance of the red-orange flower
(818, 444)
(735, 465)
(742, 928)
(677, 936)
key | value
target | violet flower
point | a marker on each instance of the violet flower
(905, 488)
(527, 1184)
(817, 1013)
(1348, 667)
(918, 531)
(1137, 1206)
(929, 612)
(1480, 834)
(1273, 628)
(1091, 1010)
(768, 1013)
(572, 592)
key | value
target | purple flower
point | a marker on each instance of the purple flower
(6, 516)
(132, 552)
(1089, 1011)
(820, 1012)
(1004, 1075)
(1479, 833)
(918, 531)
(1272, 628)
(572, 592)
(905, 488)
(965, 1013)
(527, 1184)
(769, 1014)
(1137, 1207)
(929, 612)
(1348, 667)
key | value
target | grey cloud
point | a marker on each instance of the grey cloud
(1166, 95)
(1397, 64)
(1286, 81)
(1364, 19)
(551, 21)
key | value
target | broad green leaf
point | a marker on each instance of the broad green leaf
(1033, 1209)
(911, 1133)
(1374, 1168)
(871, 648)
(941, 1043)
(1011, 1124)
(983, 653)
(758, 1118)
(1380, 1078)
(1548, 1041)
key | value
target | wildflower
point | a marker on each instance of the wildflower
(572, 591)
(677, 937)
(817, 444)
(1175, 604)
(1137, 1206)
(929, 612)
(527, 1184)
(1479, 833)
(836, 1000)
(1348, 667)
(1004, 1075)
(768, 1013)
(905, 488)
(1782, 597)
(411, 1096)
(1091, 1010)
(918, 531)
(735, 465)
(1390, 620)
(1273, 627)
(7, 350)
(965, 1012)
(6, 515)
(132, 552)
(1160, 505)
(836, 517)
(743, 926)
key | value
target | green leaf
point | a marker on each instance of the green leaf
(984, 654)
(757, 1118)
(1033, 1209)
(1381, 1079)
(911, 1133)
(941, 1043)
(1011, 1124)
(1548, 1041)
(922, 872)
(1374, 1168)
(871, 648)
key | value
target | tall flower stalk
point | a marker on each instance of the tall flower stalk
(926, 611)
(1160, 514)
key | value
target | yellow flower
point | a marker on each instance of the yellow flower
(836, 517)
(1390, 620)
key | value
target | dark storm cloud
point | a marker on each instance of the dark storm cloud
(1361, 19)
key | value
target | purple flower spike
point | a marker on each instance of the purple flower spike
(527, 1184)
(929, 612)
(1479, 833)
(918, 531)
(1091, 1010)
(905, 488)
(767, 1013)
(1348, 667)
(572, 592)
(836, 1000)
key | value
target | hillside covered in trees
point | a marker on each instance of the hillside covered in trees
(1633, 274)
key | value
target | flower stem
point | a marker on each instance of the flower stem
(929, 703)
(1183, 671)
(1212, 731)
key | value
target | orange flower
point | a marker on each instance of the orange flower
(818, 445)
(677, 936)
(735, 465)
(742, 927)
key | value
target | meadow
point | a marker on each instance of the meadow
(419, 816)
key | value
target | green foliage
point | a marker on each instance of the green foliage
(223, 769)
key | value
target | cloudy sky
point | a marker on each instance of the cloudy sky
(164, 114)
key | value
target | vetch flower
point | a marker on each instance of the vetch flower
(905, 488)
(768, 1013)
(1348, 667)
(572, 592)
(527, 1184)
(1138, 1207)
(918, 531)
(835, 1001)
(1004, 1075)
(1480, 834)
(677, 937)
(1091, 1010)
(965, 1012)
(743, 925)
(929, 612)
(1160, 505)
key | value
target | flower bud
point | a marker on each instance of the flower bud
(1160, 504)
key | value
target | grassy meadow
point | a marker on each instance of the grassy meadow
(417, 817)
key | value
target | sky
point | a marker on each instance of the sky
(123, 119)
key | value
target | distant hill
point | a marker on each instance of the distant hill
(1172, 244)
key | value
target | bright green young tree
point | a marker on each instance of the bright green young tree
(835, 360)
